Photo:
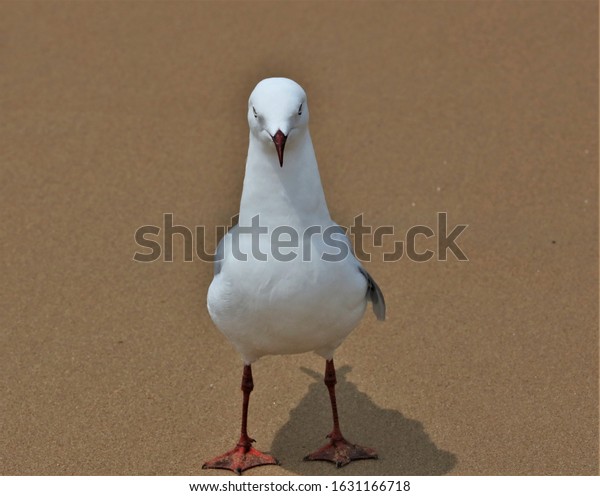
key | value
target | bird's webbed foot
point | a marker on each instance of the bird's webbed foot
(240, 458)
(341, 452)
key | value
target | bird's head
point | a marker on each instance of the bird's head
(277, 111)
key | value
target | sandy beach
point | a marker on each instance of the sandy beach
(114, 114)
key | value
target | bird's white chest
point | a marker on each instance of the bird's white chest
(292, 306)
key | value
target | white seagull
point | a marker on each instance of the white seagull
(285, 278)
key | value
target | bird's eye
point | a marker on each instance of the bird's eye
(255, 114)
(300, 110)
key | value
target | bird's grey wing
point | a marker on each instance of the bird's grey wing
(220, 253)
(374, 292)
(375, 295)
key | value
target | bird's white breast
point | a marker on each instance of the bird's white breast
(282, 307)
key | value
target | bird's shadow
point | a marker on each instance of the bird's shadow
(403, 446)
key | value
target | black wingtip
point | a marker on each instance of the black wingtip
(375, 294)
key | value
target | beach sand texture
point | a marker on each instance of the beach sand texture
(116, 113)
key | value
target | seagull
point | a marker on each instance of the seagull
(286, 280)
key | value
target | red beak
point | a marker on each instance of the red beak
(279, 140)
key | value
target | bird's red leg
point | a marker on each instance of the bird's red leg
(243, 456)
(338, 450)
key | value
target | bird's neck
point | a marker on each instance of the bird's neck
(289, 195)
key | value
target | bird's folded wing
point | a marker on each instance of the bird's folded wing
(220, 253)
(375, 295)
